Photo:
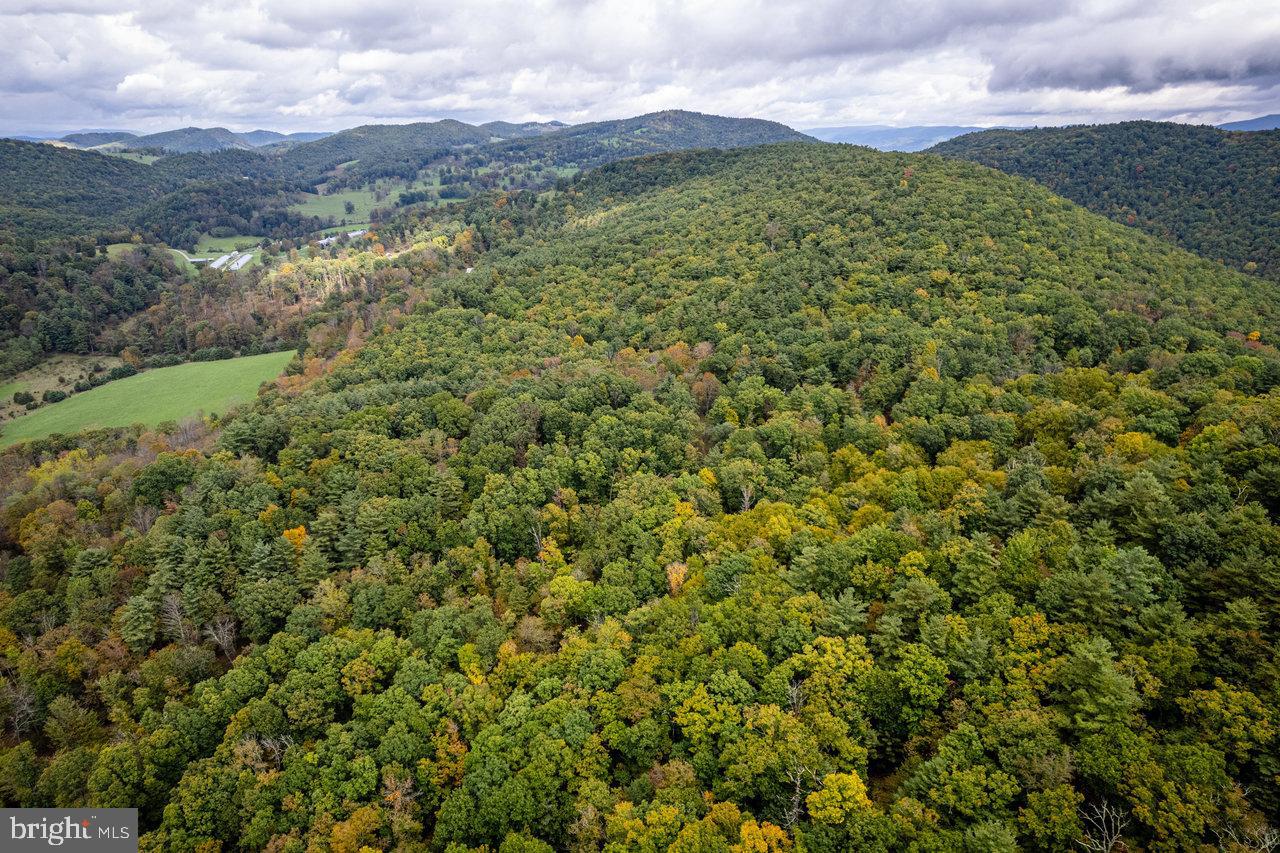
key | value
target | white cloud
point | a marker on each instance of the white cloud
(325, 64)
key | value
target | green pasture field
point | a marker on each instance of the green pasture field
(152, 397)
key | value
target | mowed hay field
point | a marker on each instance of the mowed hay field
(215, 246)
(162, 394)
(334, 204)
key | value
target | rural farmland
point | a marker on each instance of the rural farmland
(152, 397)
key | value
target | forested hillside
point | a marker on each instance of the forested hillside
(45, 190)
(103, 137)
(799, 497)
(512, 130)
(402, 151)
(61, 299)
(1214, 192)
(188, 140)
(372, 151)
(259, 138)
(588, 145)
(50, 192)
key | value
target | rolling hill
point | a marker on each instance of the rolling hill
(377, 149)
(55, 192)
(50, 190)
(595, 143)
(188, 140)
(92, 139)
(1212, 191)
(400, 151)
(259, 138)
(787, 497)
(511, 130)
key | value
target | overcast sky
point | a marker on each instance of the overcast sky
(326, 64)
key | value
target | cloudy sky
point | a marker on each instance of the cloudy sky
(326, 64)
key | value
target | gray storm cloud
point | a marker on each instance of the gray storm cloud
(324, 64)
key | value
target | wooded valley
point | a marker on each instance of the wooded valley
(789, 497)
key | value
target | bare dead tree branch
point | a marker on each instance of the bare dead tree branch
(222, 631)
(1104, 827)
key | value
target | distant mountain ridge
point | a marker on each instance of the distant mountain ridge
(188, 140)
(91, 139)
(259, 138)
(401, 143)
(399, 150)
(1268, 122)
(596, 143)
(382, 148)
(887, 138)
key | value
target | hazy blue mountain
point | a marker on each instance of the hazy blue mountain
(62, 135)
(886, 138)
(258, 138)
(1271, 122)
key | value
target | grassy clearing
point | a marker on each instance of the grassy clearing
(343, 229)
(115, 250)
(163, 394)
(334, 204)
(136, 156)
(58, 372)
(8, 389)
(221, 245)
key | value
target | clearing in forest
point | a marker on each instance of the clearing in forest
(151, 397)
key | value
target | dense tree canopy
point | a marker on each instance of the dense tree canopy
(800, 497)
(51, 192)
(1214, 192)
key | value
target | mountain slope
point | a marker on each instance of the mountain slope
(587, 145)
(792, 495)
(1269, 122)
(89, 140)
(258, 138)
(47, 189)
(375, 150)
(188, 140)
(1214, 192)
(511, 130)
(400, 151)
